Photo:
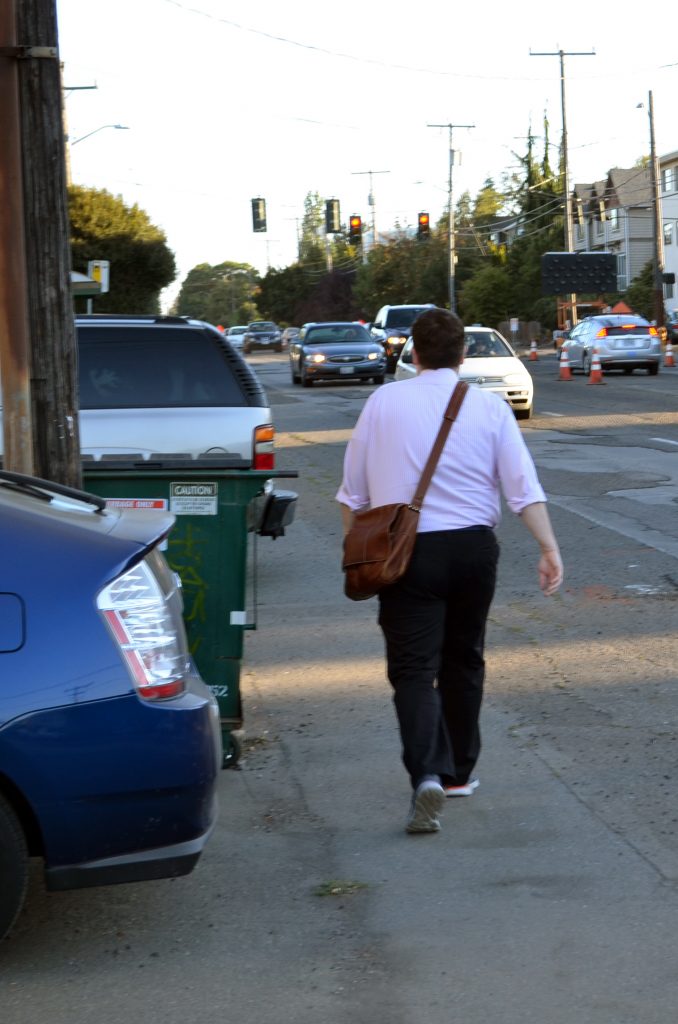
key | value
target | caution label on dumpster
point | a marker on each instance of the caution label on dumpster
(193, 498)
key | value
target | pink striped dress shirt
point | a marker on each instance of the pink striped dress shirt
(485, 454)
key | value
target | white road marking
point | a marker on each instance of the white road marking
(664, 440)
(552, 414)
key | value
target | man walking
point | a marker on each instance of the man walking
(433, 618)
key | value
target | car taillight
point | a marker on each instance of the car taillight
(140, 619)
(602, 333)
(653, 331)
(264, 454)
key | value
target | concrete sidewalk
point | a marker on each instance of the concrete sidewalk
(528, 906)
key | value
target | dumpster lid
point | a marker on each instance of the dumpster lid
(166, 462)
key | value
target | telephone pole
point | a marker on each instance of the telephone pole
(371, 202)
(43, 262)
(14, 333)
(450, 213)
(658, 260)
(566, 169)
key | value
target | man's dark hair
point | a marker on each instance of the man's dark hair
(438, 338)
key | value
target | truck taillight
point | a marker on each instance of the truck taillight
(140, 620)
(264, 453)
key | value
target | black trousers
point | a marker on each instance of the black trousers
(433, 620)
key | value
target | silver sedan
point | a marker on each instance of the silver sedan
(623, 342)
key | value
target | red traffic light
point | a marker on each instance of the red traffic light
(424, 225)
(355, 227)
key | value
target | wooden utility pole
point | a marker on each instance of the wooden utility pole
(14, 337)
(452, 256)
(657, 231)
(53, 350)
(569, 247)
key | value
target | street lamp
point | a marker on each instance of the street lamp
(122, 127)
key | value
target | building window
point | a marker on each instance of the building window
(613, 217)
(599, 227)
(621, 272)
(668, 233)
(668, 179)
(580, 232)
(668, 291)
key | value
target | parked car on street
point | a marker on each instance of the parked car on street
(392, 327)
(335, 351)
(110, 746)
(489, 363)
(623, 341)
(236, 334)
(262, 334)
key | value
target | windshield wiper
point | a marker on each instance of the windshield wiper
(46, 490)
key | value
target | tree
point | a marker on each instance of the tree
(225, 294)
(640, 293)
(104, 228)
(487, 205)
(486, 298)
(404, 271)
(284, 292)
(312, 248)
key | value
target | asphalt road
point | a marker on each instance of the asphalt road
(550, 896)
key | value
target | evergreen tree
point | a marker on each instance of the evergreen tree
(224, 294)
(103, 228)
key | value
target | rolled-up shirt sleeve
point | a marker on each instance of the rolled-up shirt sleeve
(354, 490)
(516, 469)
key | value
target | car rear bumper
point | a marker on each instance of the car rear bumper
(138, 866)
(635, 362)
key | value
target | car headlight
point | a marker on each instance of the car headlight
(517, 378)
(315, 357)
(372, 355)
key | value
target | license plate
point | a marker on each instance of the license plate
(631, 354)
(345, 369)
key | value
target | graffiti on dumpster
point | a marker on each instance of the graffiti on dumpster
(186, 556)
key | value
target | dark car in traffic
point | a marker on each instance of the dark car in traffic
(262, 334)
(335, 351)
(672, 327)
(393, 326)
(110, 744)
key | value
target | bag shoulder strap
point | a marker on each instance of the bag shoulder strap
(449, 417)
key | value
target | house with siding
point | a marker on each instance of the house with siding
(615, 215)
(668, 191)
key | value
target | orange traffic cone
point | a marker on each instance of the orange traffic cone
(565, 371)
(596, 375)
(668, 354)
(533, 350)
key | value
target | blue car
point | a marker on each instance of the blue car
(110, 745)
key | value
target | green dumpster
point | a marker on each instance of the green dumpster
(208, 547)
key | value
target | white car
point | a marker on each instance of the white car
(235, 335)
(489, 362)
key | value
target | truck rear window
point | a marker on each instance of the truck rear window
(138, 368)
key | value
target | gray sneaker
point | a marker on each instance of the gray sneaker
(427, 802)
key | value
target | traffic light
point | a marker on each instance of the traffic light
(424, 225)
(258, 214)
(586, 272)
(332, 218)
(355, 228)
